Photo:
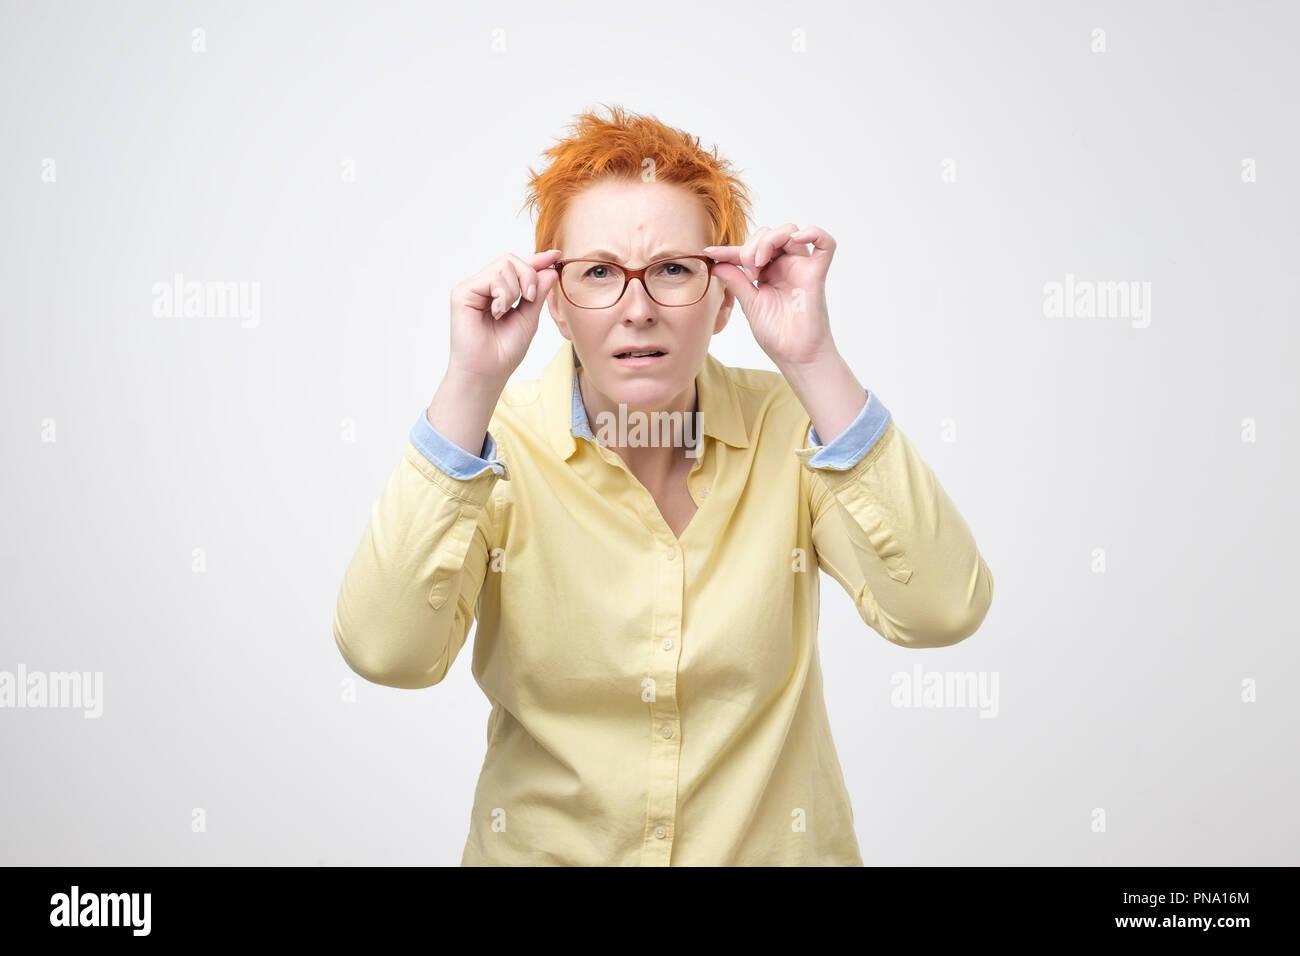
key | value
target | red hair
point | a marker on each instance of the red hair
(617, 148)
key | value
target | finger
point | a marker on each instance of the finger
(749, 252)
(723, 253)
(503, 284)
(542, 263)
(736, 282)
(546, 280)
(735, 255)
(529, 309)
(505, 289)
(731, 255)
(822, 241)
(525, 274)
(489, 288)
(796, 248)
(773, 243)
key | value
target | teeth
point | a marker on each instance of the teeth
(637, 354)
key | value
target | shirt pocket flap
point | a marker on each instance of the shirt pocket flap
(451, 559)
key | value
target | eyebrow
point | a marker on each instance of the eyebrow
(606, 254)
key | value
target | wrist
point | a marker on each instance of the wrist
(462, 409)
(827, 364)
(829, 392)
(470, 385)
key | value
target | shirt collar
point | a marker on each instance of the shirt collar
(566, 416)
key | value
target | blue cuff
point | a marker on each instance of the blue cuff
(854, 442)
(450, 457)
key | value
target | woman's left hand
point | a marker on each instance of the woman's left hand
(787, 308)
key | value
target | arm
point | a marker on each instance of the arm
(885, 529)
(408, 598)
(883, 526)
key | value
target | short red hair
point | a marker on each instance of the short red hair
(617, 148)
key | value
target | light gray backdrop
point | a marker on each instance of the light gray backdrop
(181, 493)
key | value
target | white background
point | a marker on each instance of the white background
(222, 690)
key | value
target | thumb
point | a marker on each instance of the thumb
(737, 283)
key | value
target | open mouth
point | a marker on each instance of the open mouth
(646, 354)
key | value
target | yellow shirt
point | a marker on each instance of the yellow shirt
(655, 701)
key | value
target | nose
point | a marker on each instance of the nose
(636, 302)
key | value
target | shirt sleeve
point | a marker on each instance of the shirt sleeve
(408, 597)
(847, 449)
(885, 529)
(450, 457)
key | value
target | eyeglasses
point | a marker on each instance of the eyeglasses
(594, 284)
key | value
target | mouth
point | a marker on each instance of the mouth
(638, 357)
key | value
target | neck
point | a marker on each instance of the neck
(647, 460)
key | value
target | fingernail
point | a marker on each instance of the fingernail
(532, 291)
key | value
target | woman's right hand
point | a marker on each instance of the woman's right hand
(489, 334)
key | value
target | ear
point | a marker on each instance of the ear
(553, 299)
(724, 312)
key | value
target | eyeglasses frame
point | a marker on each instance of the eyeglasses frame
(628, 276)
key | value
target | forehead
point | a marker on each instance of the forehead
(630, 217)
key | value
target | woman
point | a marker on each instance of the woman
(647, 609)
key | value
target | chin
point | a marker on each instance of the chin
(646, 393)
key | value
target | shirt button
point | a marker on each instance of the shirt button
(670, 554)
(659, 832)
(668, 643)
(704, 492)
(667, 732)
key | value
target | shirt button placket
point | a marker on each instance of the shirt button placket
(665, 741)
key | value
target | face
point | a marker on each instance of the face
(638, 223)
